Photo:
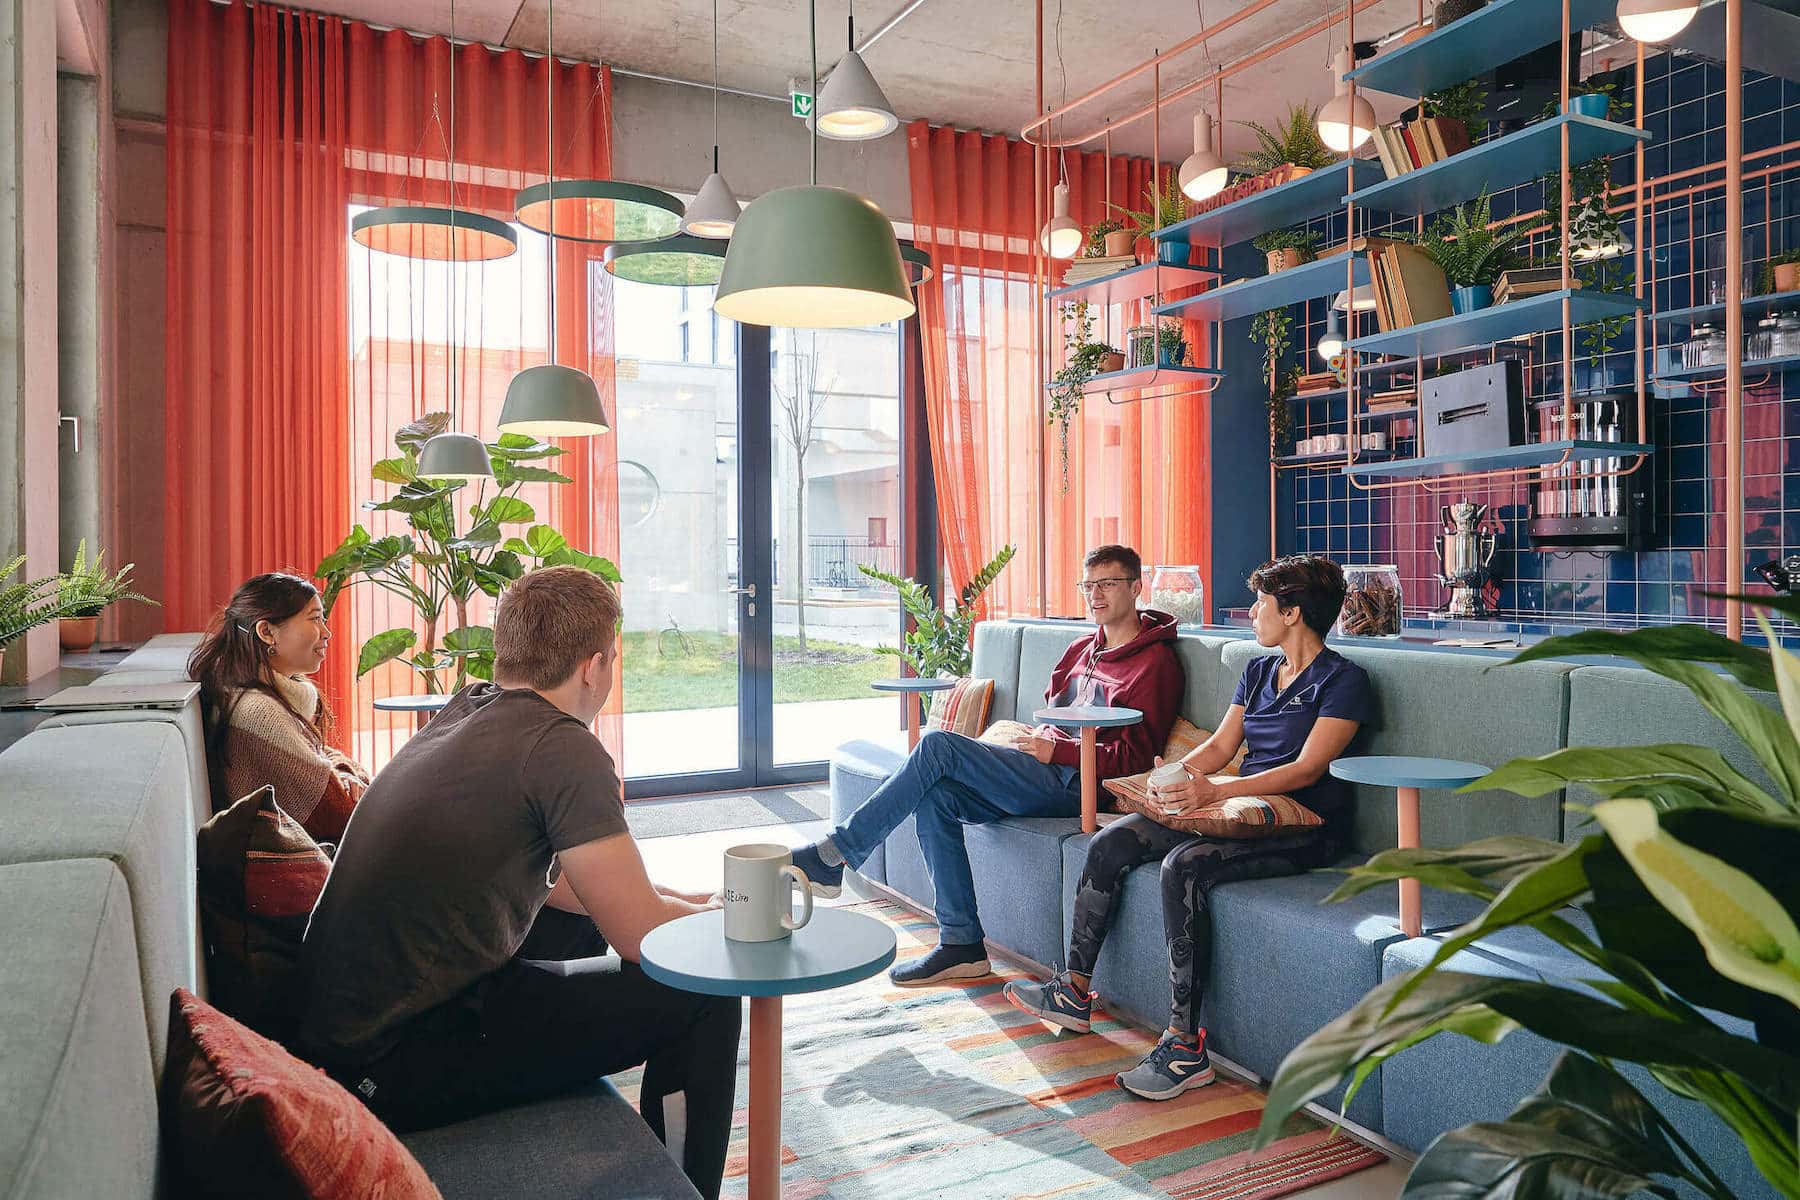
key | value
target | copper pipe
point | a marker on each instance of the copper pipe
(1639, 367)
(1562, 219)
(1041, 335)
(1188, 89)
(1249, 10)
(1734, 316)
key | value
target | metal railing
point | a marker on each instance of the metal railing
(831, 562)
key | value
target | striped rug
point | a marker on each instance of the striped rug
(898, 1094)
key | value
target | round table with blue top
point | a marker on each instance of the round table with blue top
(422, 706)
(912, 687)
(1089, 719)
(836, 947)
(1407, 775)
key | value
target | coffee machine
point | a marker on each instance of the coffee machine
(1464, 551)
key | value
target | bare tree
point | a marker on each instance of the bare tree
(802, 397)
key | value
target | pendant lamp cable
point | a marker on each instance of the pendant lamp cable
(455, 240)
(812, 30)
(550, 160)
(715, 87)
(1062, 152)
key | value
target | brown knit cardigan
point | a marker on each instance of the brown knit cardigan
(266, 743)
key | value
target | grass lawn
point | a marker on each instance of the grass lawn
(707, 677)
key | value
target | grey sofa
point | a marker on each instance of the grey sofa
(98, 917)
(1284, 962)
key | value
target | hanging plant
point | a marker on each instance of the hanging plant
(1592, 223)
(1081, 362)
(1273, 331)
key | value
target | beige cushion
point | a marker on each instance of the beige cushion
(963, 709)
(1239, 817)
(1184, 736)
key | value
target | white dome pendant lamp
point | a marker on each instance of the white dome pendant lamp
(813, 257)
(851, 107)
(550, 400)
(1203, 174)
(1345, 122)
(452, 457)
(1655, 20)
(714, 210)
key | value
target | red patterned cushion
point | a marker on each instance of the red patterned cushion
(246, 1118)
(963, 709)
(260, 875)
(1239, 817)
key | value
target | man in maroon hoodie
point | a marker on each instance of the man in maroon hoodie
(950, 781)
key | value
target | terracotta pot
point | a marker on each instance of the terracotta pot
(1113, 361)
(1787, 277)
(77, 633)
(1281, 260)
(1417, 32)
(1295, 172)
(1120, 242)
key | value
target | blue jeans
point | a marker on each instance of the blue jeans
(947, 782)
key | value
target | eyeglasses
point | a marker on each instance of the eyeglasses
(1090, 586)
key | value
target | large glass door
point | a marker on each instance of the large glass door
(749, 495)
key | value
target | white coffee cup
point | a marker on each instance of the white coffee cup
(759, 882)
(1168, 775)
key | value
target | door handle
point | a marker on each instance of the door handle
(743, 591)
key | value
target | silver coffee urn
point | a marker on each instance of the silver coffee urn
(1464, 551)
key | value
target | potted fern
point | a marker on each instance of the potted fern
(1286, 248)
(1294, 146)
(25, 605)
(1470, 254)
(938, 644)
(1165, 206)
(85, 591)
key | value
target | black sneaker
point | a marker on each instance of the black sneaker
(944, 964)
(827, 881)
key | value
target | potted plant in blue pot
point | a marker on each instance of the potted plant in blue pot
(1591, 100)
(1167, 206)
(1471, 255)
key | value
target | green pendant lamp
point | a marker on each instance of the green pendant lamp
(431, 232)
(456, 457)
(552, 400)
(813, 257)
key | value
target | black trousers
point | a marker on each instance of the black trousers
(1191, 866)
(530, 1031)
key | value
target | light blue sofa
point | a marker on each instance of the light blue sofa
(1284, 963)
(98, 918)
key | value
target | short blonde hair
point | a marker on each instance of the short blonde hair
(549, 622)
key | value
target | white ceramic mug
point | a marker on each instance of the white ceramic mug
(759, 907)
(1168, 775)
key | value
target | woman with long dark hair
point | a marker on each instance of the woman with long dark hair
(266, 722)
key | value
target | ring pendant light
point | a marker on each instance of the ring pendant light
(851, 107)
(551, 400)
(679, 261)
(450, 456)
(813, 257)
(918, 265)
(713, 211)
(430, 232)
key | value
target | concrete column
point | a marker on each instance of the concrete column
(28, 356)
(80, 328)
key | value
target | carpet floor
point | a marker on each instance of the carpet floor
(904, 1094)
(727, 810)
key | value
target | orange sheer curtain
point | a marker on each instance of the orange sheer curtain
(1135, 468)
(396, 329)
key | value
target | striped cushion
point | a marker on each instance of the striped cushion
(1240, 817)
(260, 875)
(963, 709)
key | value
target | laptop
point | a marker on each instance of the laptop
(99, 697)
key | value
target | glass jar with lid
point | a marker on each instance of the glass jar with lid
(1372, 601)
(1787, 335)
(1140, 346)
(1761, 343)
(1178, 591)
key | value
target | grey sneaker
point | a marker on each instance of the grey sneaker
(1057, 1000)
(1171, 1069)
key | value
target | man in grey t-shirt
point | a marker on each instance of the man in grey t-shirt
(423, 993)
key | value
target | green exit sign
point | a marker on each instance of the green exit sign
(802, 104)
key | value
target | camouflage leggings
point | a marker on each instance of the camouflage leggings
(1191, 867)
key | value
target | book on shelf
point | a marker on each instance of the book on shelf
(1086, 270)
(1384, 151)
(1392, 398)
(1409, 288)
(1530, 281)
(1407, 145)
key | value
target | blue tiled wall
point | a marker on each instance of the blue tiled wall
(1321, 512)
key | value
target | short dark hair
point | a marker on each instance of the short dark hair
(1312, 581)
(1125, 556)
(550, 621)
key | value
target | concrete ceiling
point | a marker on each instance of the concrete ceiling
(957, 62)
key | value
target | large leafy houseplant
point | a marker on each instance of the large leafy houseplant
(437, 567)
(938, 643)
(1689, 881)
(1294, 141)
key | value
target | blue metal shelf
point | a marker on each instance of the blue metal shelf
(1144, 377)
(1312, 195)
(1485, 326)
(1753, 306)
(1308, 281)
(1494, 34)
(1787, 362)
(1502, 163)
(1133, 283)
(1538, 454)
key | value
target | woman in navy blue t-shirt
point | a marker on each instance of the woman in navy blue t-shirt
(1292, 713)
